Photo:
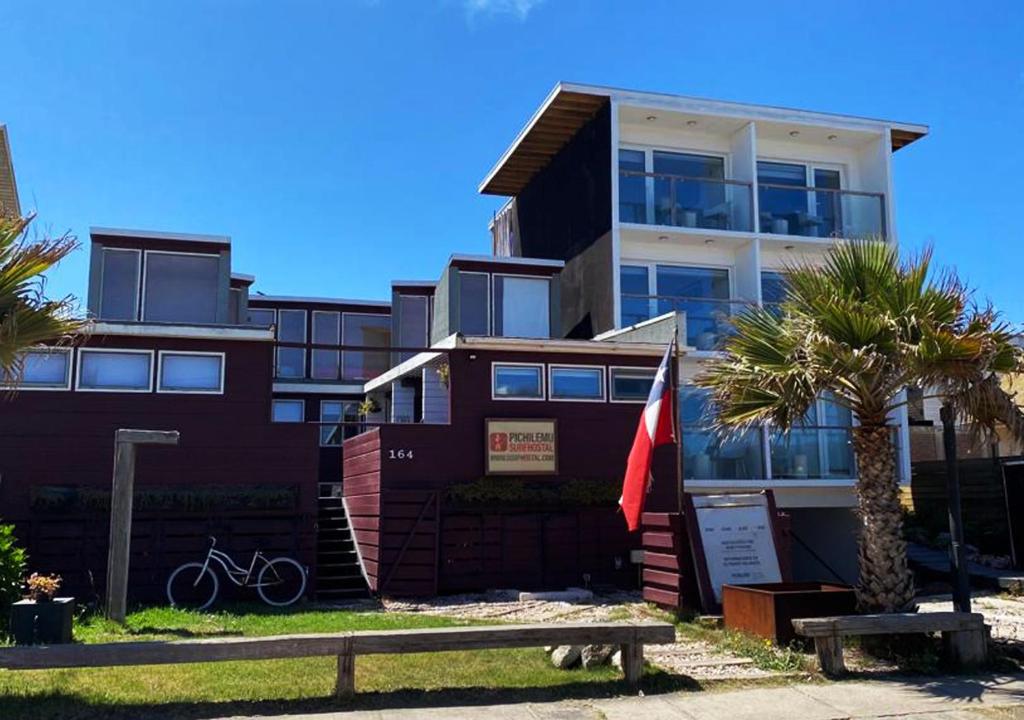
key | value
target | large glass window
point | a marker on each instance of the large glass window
(41, 370)
(632, 187)
(631, 384)
(820, 447)
(181, 288)
(413, 326)
(474, 303)
(125, 371)
(291, 328)
(191, 372)
(365, 331)
(773, 287)
(682, 194)
(287, 411)
(708, 456)
(119, 285)
(346, 416)
(264, 317)
(695, 292)
(326, 331)
(521, 307)
(577, 383)
(518, 382)
(636, 301)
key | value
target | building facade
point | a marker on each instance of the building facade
(354, 434)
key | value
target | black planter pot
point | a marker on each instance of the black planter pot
(42, 623)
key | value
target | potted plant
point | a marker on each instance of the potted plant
(41, 617)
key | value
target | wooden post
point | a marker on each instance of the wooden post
(633, 663)
(346, 685)
(830, 654)
(966, 649)
(121, 513)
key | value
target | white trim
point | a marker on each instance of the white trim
(490, 330)
(145, 273)
(302, 404)
(171, 330)
(160, 370)
(580, 347)
(137, 305)
(491, 259)
(559, 366)
(157, 235)
(317, 388)
(629, 368)
(494, 377)
(45, 349)
(414, 363)
(314, 341)
(96, 350)
(317, 300)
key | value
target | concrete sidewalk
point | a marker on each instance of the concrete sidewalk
(941, 698)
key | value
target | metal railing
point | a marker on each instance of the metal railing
(684, 201)
(820, 212)
(344, 363)
(813, 451)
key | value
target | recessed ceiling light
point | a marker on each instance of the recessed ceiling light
(833, 137)
(652, 118)
(794, 133)
(790, 247)
(663, 237)
(708, 241)
(691, 123)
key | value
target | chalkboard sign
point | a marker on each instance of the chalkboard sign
(733, 538)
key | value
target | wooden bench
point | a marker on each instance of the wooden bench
(631, 637)
(964, 636)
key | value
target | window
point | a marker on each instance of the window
(474, 303)
(819, 447)
(181, 288)
(365, 331)
(577, 383)
(522, 307)
(291, 328)
(631, 384)
(773, 287)
(709, 456)
(636, 304)
(191, 372)
(632, 187)
(115, 370)
(682, 196)
(338, 411)
(264, 317)
(413, 325)
(517, 382)
(326, 331)
(287, 411)
(698, 292)
(119, 285)
(788, 204)
(43, 369)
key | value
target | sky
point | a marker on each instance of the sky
(340, 142)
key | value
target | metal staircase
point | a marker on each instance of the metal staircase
(338, 573)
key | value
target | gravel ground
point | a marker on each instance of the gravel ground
(695, 659)
(1004, 613)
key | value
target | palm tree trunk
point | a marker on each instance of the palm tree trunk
(886, 584)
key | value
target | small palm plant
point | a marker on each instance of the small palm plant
(861, 328)
(27, 317)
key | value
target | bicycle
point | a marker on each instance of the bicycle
(279, 582)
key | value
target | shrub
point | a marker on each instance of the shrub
(12, 570)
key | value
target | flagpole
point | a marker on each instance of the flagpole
(677, 420)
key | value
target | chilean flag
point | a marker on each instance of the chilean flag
(656, 428)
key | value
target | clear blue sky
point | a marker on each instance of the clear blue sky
(340, 143)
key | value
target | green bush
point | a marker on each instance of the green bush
(12, 570)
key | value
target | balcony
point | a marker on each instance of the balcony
(817, 212)
(813, 452)
(708, 320)
(685, 202)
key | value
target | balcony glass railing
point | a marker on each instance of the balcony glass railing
(813, 452)
(687, 202)
(708, 320)
(820, 212)
(707, 456)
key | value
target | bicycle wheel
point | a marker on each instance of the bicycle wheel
(282, 581)
(192, 586)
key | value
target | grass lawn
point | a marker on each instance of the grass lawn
(302, 685)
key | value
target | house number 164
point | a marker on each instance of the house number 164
(400, 454)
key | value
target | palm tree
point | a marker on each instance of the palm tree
(860, 329)
(27, 317)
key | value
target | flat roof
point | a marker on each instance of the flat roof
(159, 235)
(499, 260)
(571, 105)
(318, 300)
